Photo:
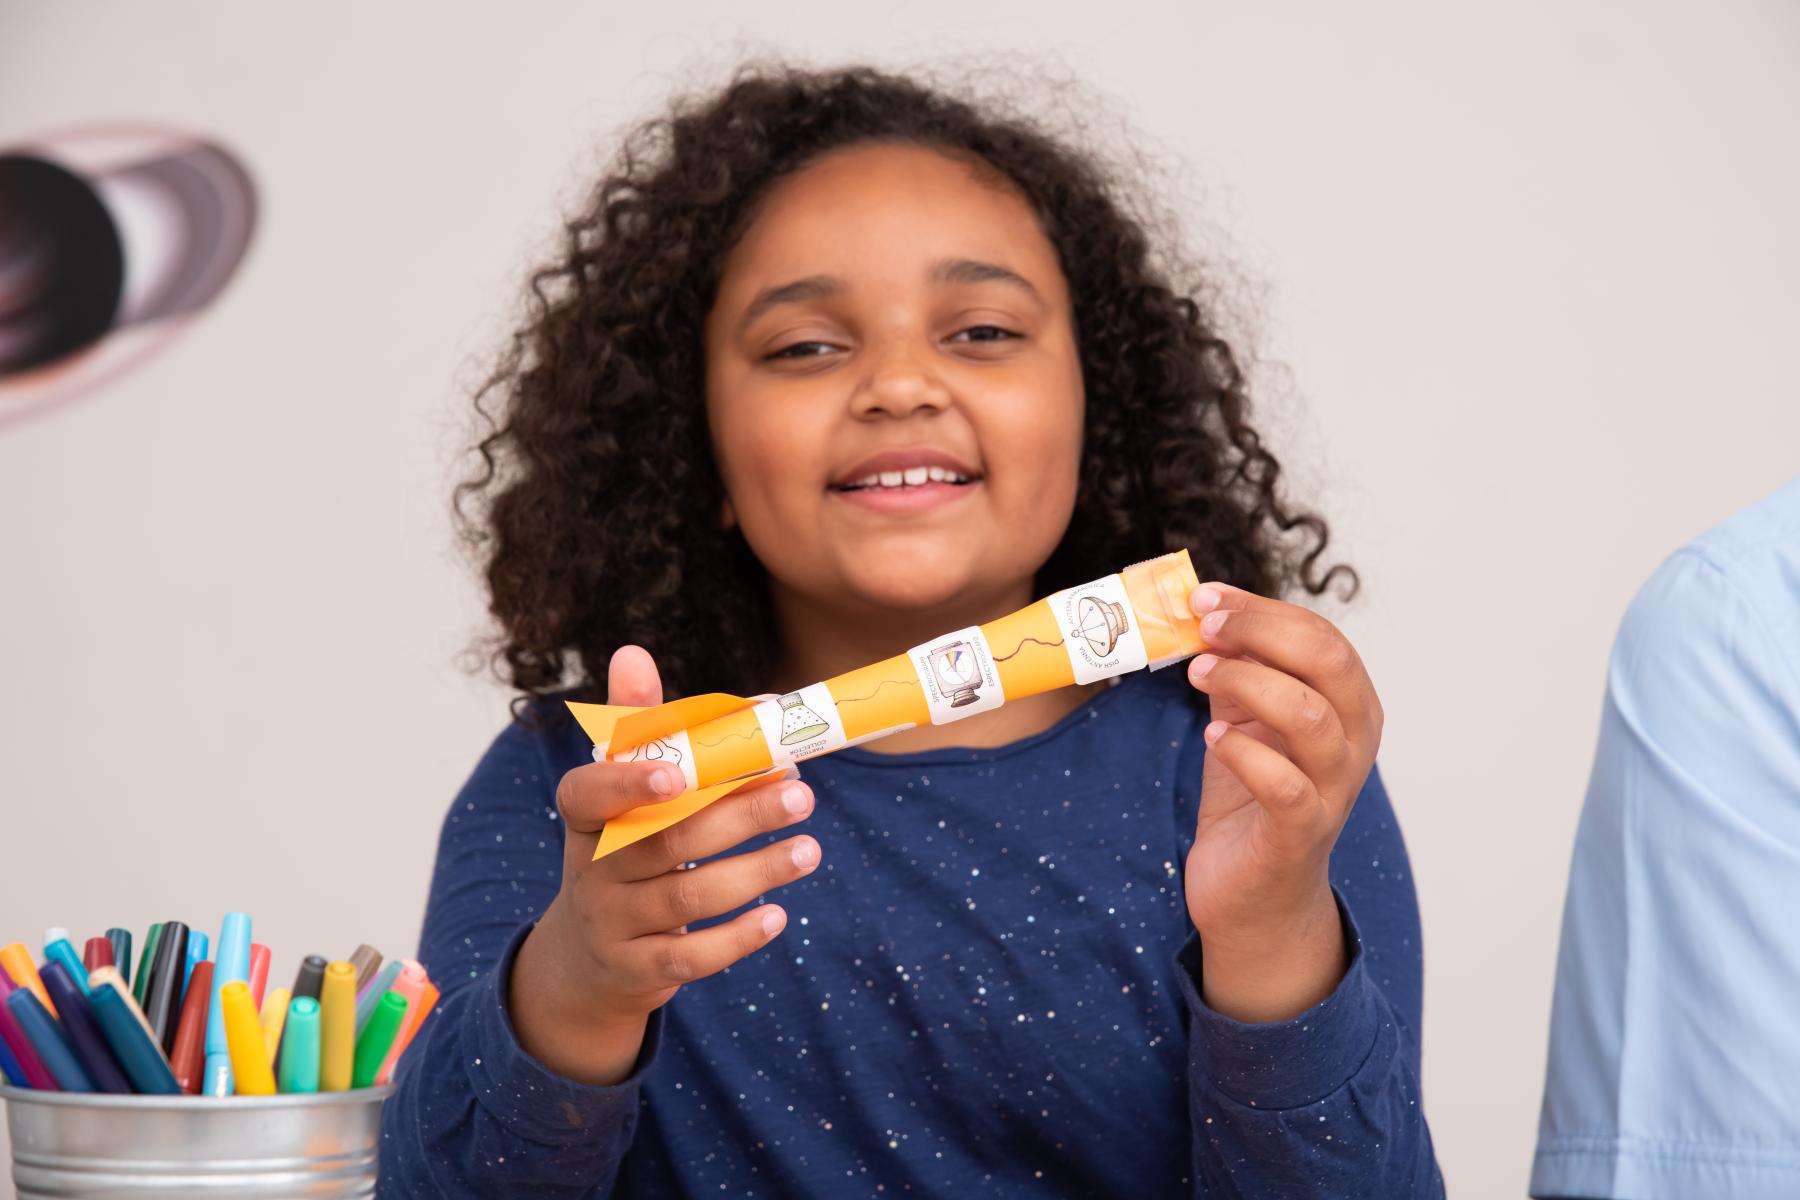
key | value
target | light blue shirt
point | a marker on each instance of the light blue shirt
(1674, 1066)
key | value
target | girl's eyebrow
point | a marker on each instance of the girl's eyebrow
(948, 270)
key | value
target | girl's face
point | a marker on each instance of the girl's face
(893, 387)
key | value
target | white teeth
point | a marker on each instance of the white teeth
(910, 477)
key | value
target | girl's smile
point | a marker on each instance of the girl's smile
(906, 481)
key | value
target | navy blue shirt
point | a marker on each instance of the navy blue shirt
(990, 986)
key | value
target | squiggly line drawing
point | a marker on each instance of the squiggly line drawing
(1015, 650)
(877, 691)
(746, 735)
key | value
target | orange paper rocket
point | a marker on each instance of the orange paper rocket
(1126, 622)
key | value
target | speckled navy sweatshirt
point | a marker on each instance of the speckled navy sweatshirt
(990, 986)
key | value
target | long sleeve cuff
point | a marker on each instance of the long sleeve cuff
(1284, 1064)
(531, 1100)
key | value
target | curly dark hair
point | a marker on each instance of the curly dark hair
(597, 498)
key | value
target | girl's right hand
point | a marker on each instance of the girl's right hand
(614, 944)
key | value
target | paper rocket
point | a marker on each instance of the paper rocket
(1126, 622)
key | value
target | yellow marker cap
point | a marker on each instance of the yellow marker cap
(250, 1070)
(274, 1015)
(337, 1027)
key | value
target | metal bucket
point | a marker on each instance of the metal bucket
(70, 1144)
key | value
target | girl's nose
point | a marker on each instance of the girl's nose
(898, 384)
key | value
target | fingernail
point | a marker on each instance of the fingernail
(806, 852)
(1200, 666)
(1212, 623)
(794, 799)
(773, 919)
(665, 782)
(1205, 599)
(1214, 732)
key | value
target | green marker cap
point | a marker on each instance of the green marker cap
(377, 1036)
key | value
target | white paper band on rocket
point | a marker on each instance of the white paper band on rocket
(1099, 630)
(958, 675)
(801, 725)
(673, 748)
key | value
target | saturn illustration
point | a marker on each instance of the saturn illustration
(112, 238)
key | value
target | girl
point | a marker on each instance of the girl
(835, 364)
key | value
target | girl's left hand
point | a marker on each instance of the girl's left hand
(1295, 726)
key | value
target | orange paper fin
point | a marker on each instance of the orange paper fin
(648, 724)
(641, 822)
(598, 720)
(626, 726)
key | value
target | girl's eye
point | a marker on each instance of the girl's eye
(787, 351)
(1005, 334)
(816, 349)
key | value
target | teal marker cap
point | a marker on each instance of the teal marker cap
(58, 948)
(300, 1047)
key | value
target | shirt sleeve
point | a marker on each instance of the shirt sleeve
(1674, 1069)
(473, 1114)
(1326, 1104)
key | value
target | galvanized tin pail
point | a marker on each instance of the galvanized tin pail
(84, 1145)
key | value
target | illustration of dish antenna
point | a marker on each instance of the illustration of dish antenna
(798, 721)
(958, 674)
(1100, 623)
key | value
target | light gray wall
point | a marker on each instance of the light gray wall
(1524, 295)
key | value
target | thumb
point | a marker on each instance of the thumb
(631, 678)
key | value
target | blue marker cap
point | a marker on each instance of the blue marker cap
(10, 1068)
(374, 990)
(196, 954)
(231, 963)
(58, 948)
(215, 1078)
(40, 1030)
(80, 1032)
(141, 1057)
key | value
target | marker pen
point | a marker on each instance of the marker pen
(119, 1019)
(36, 1075)
(80, 1031)
(375, 1042)
(18, 963)
(121, 951)
(411, 986)
(274, 1015)
(337, 1027)
(162, 994)
(148, 956)
(367, 960)
(259, 971)
(414, 1018)
(40, 1029)
(98, 952)
(243, 1033)
(196, 954)
(188, 1055)
(300, 1046)
(58, 948)
(368, 997)
(230, 964)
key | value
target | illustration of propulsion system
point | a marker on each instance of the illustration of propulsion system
(1126, 622)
